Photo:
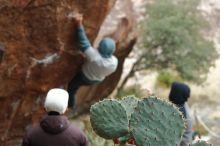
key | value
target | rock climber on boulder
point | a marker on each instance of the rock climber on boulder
(99, 63)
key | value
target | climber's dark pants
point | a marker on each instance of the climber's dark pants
(79, 80)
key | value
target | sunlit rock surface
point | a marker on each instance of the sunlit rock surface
(40, 52)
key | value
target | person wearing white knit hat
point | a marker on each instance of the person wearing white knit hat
(56, 101)
(55, 129)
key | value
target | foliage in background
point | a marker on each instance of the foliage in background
(131, 90)
(166, 77)
(172, 38)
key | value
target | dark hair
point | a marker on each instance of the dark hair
(179, 93)
(53, 113)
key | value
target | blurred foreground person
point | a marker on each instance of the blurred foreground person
(55, 129)
(179, 95)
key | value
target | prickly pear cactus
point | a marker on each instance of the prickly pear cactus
(109, 119)
(150, 122)
(156, 123)
(201, 143)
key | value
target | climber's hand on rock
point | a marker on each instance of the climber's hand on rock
(78, 19)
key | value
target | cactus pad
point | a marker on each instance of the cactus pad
(129, 103)
(156, 123)
(201, 143)
(109, 119)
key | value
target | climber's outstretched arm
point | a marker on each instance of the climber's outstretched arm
(83, 40)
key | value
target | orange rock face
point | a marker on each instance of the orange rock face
(39, 51)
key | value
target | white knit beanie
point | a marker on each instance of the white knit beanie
(56, 100)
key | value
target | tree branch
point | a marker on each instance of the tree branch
(130, 74)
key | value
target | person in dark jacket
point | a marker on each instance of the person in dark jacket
(179, 95)
(99, 64)
(55, 129)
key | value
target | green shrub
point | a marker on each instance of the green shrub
(165, 78)
(132, 90)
